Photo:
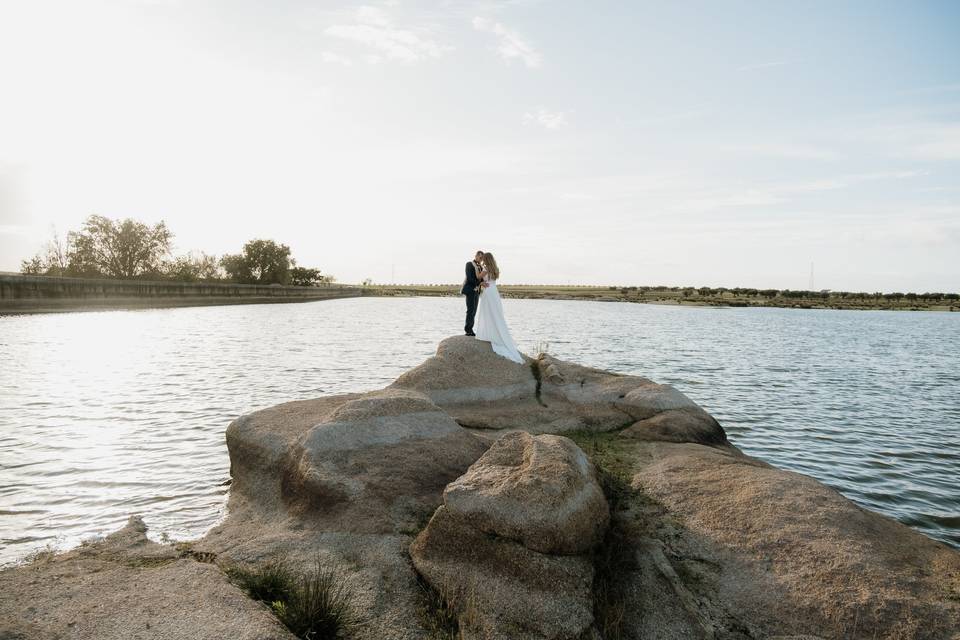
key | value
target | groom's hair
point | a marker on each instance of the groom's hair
(479, 251)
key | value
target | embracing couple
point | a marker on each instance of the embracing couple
(483, 303)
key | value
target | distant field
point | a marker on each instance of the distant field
(698, 296)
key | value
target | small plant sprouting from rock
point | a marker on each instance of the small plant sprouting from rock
(269, 582)
(542, 349)
(313, 604)
(442, 616)
(535, 364)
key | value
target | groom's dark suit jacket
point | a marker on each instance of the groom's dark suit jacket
(471, 282)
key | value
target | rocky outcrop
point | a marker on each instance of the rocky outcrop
(770, 552)
(701, 540)
(375, 463)
(125, 586)
(509, 548)
(466, 370)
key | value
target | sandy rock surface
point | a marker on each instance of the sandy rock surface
(125, 587)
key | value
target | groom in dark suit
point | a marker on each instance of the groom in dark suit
(471, 289)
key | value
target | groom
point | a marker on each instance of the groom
(471, 289)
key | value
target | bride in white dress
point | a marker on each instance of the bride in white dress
(491, 325)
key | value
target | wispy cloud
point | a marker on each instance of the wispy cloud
(510, 44)
(374, 29)
(546, 119)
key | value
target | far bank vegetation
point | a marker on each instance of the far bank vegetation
(129, 249)
(702, 296)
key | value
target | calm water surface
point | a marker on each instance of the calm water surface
(111, 413)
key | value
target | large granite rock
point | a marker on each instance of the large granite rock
(509, 549)
(541, 491)
(466, 370)
(375, 463)
(751, 551)
(689, 424)
(490, 394)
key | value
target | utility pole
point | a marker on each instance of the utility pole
(393, 274)
(811, 277)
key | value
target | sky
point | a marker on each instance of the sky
(631, 143)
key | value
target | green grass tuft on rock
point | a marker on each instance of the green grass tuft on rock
(313, 604)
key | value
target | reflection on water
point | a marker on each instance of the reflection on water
(111, 413)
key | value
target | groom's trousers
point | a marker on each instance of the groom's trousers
(472, 298)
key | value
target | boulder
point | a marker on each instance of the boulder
(467, 370)
(777, 553)
(541, 491)
(689, 424)
(500, 589)
(378, 463)
(510, 547)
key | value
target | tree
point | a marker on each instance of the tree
(369, 281)
(118, 248)
(304, 277)
(33, 267)
(193, 267)
(261, 262)
(52, 260)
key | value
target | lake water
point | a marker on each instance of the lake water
(106, 414)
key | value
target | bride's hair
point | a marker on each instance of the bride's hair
(490, 264)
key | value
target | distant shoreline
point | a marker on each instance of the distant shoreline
(20, 294)
(675, 297)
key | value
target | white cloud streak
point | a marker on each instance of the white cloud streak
(510, 44)
(546, 119)
(374, 30)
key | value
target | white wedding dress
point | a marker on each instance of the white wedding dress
(492, 326)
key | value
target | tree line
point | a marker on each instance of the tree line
(130, 249)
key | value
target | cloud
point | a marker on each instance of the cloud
(546, 119)
(374, 29)
(335, 58)
(510, 44)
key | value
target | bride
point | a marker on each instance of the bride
(491, 325)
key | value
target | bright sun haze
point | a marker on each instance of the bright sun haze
(695, 143)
